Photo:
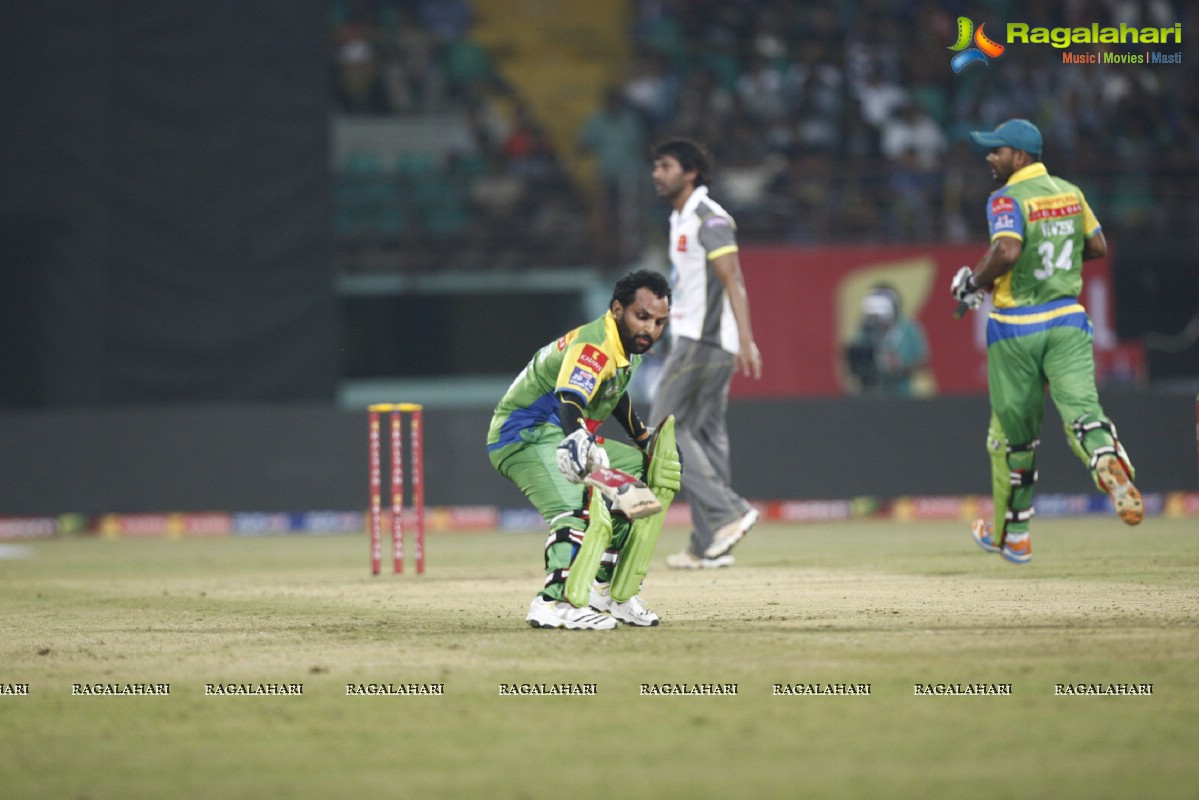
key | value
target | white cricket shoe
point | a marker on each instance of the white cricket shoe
(630, 612)
(561, 614)
(725, 538)
(688, 560)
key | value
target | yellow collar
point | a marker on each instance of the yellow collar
(612, 333)
(1035, 170)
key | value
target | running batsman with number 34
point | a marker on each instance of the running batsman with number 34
(1038, 335)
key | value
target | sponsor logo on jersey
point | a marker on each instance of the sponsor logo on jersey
(1005, 223)
(567, 338)
(1053, 207)
(682, 245)
(1002, 205)
(716, 221)
(582, 379)
(593, 359)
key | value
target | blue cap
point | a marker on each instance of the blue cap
(1019, 134)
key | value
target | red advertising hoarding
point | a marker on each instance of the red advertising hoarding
(806, 308)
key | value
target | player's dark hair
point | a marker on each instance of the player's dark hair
(625, 291)
(691, 155)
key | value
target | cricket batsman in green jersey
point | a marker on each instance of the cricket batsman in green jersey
(1038, 335)
(542, 438)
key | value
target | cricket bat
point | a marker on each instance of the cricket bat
(625, 493)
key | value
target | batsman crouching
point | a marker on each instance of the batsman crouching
(604, 501)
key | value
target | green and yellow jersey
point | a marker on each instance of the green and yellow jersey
(589, 363)
(1051, 218)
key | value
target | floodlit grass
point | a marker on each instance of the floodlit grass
(888, 604)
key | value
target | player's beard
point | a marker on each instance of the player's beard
(1001, 170)
(642, 344)
(634, 344)
(669, 190)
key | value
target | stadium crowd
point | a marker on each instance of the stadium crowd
(829, 122)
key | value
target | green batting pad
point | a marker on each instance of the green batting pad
(664, 477)
(634, 558)
(596, 539)
(1001, 476)
(665, 470)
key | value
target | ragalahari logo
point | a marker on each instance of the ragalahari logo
(983, 46)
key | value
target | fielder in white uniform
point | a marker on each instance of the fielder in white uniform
(711, 338)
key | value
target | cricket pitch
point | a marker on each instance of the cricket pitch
(889, 605)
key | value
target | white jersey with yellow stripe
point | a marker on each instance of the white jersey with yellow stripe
(700, 310)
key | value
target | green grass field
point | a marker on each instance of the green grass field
(889, 604)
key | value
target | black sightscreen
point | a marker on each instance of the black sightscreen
(165, 203)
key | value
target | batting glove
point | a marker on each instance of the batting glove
(964, 290)
(597, 458)
(574, 454)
